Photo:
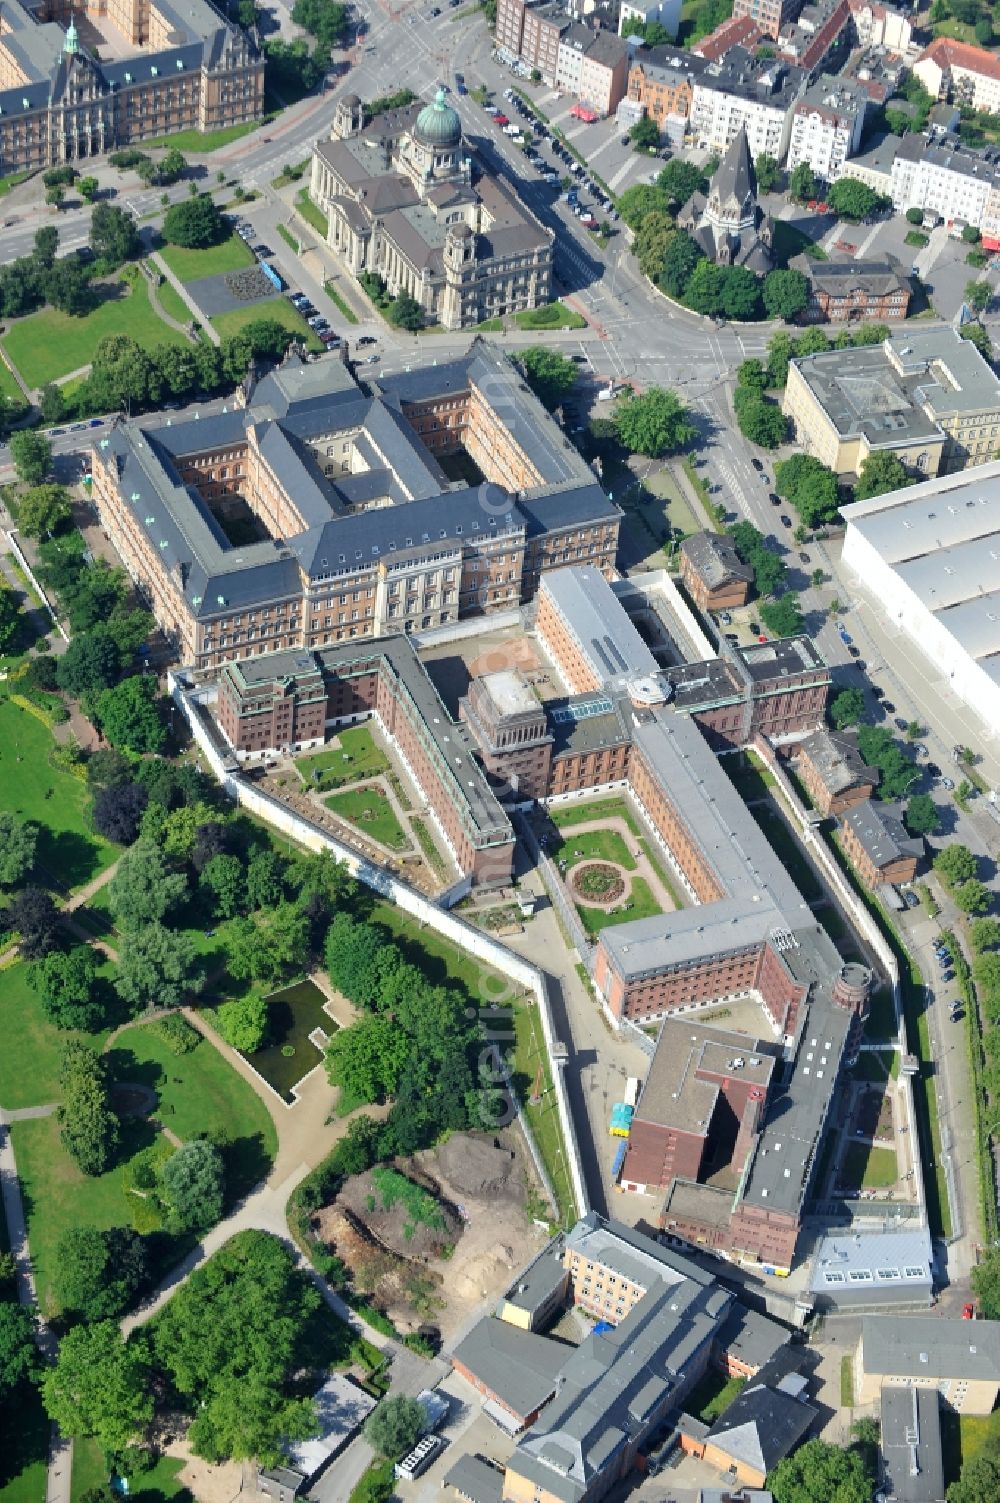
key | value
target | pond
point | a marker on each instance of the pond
(292, 1014)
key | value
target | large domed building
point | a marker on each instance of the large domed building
(403, 200)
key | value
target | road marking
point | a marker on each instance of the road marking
(619, 176)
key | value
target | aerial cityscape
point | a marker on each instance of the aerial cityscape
(500, 751)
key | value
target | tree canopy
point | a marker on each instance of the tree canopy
(821, 1473)
(785, 294)
(881, 472)
(846, 708)
(783, 617)
(897, 769)
(768, 569)
(853, 200)
(810, 486)
(114, 236)
(157, 967)
(18, 1353)
(194, 223)
(31, 452)
(43, 509)
(194, 1184)
(98, 1387)
(144, 889)
(955, 864)
(922, 815)
(98, 1273)
(395, 1426)
(129, 714)
(654, 423)
(18, 840)
(66, 980)
(88, 1125)
(242, 1021)
(550, 375)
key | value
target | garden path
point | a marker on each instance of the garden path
(182, 292)
(643, 866)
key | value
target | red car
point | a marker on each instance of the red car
(968, 1312)
(822, 208)
(501, 119)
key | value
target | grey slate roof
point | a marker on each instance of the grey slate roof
(475, 1479)
(880, 832)
(520, 1368)
(735, 176)
(715, 559)
(761, 1425)
(835, 757)
(925, 1346)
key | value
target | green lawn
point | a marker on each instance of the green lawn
(173, 304)
(310, 213)
(440, 960)
(32, 1047)
(868, 1168)
(50, 344)
(157, 1486)
(205, 140)
(530, 1056)
(598, 808)
(279, 309)
(713, 1395)
(370, 809)
(790, 241)
(192, 265)
(551, 316)
(200, 1092)
(335, 297)
(594, 845)
(9, 387)
(641, 902)
(881, 1022)
(57, 801)
(425, 840)
(355, 757)
(963, 1436)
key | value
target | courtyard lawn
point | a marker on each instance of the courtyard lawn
(370, 810)
(173, 304)
(67, 851)
(674, 509)
(32, 1047)
(200, 1092)
(278, 309)
(160, 1485)
(594, 845)
(963, 1436)
(551, 316)
(355, 758)
(598, 808)
(9, 388)
(206, 140)
(50, 344)
(641, 904)
(530, 1057)
(192, 265)
(868, 1168)
(713, 1395)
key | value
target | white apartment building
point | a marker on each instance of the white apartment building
(881, 26)
(960, 72)
(667, 12)
(593, 66)
(827, 124)
(943, 176)
(739, 90)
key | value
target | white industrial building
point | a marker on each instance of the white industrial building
(929, 557)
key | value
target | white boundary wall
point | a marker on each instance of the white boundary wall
(473, 941)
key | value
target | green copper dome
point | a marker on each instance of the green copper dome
(438, 124)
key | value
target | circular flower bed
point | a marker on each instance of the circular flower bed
(597, 882)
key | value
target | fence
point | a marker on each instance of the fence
(448, 925)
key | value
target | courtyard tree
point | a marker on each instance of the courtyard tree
(395, 1426)
(223, 883)
(654, 423)
(783, 617)
(117, 812)
(264, 879)
(157, 967)
(98, 1387)
(351, 957)
(972, 896)
(194, 1181)
(230, 1340)
(242, 1021)
(404, 312)
(129, 714)
(144, 889)
(639, 201)
(18, 841)
(32, 455)
(802, 183)
(90, 664)
(977, 295)
(768, 172)
(922, 815)
(195, 223)
(35, 918)
(98, 1273)
(881, 472)
(88, 1127)
(550, 375)
(852, 199)
(18, 1353)
(819, 1472)
(114, 237)
(785, 294)
(66, 981)
(679, 179)
(645, 134)
(43, 510)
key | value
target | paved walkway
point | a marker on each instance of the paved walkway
(161, 312)
(643, 866)
(182, 292)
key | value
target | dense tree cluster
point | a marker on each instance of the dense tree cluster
(958, 869)
(769, 569)
(896, 766)
(653, 422)
(810, 487)
(550, 375)
(88, 1126)
(98, 1273)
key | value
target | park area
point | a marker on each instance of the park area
(351, 758)
(293, 1014)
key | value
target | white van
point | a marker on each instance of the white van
(424, 1453)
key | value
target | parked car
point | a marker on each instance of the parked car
(899, 723)
(854, 651)
(910, 899)
(786, 520)
(757, 466)
(774, 499)
(946, 783)
(367, 339)
(803, 557)
(890, 708)
(726, 618)
(934, 769)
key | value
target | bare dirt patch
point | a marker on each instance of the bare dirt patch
(480, 1183)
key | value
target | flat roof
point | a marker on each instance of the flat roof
(928, 1346)
(341, 1408)
(599, 624)
(910, 1442)
(510, 692)
(676, 1094)
(852, 1263)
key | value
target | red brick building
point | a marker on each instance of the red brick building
(833, 772)
(874, 838)
(713, 573)
(842, 292)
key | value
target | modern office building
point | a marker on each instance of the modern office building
(929, 560)
(78, 82)
(402, 203)
(927, 396)
(361, 532)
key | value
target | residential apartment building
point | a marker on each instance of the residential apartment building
(533, 32)
(400, 203)
(661, 80)
(961, 73)
(736, 31)
(594, 66)
(168, 67)
(854, 291)
(936, 172)
(877, 25)
(828, 122)
(756, 94)
(927, 395)
(768, 15)
(875, 841)
(819, 36)
(666, 12)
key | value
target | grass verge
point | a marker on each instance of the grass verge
(288, 237)
(277, 309)
(313, 216)
(338, 302)
(847, 1382)
(529, 1060)
(425, 841)
(191, 265)
(989, 1230)
(206, 140)
(48, 345)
